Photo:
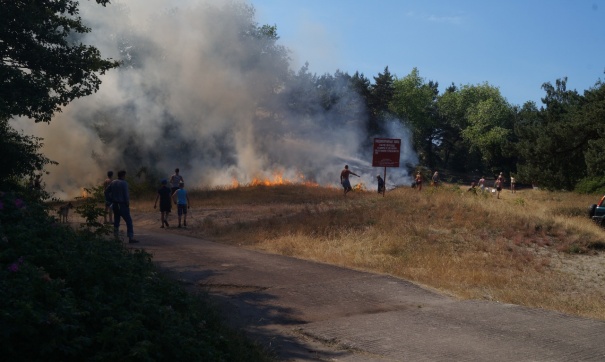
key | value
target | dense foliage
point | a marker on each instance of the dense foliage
(469, 129)
(71, 296)
(20, 156)
(76, 295)
(472, 129)
(43, 67)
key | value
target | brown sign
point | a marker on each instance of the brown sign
(386, 152)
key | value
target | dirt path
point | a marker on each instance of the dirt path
(309, 311)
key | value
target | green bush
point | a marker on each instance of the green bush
(591, 185)
(71, 296)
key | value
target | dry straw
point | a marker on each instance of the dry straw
(533, 248)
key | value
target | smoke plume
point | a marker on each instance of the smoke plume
(200, 89)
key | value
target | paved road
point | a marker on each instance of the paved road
(310, 311)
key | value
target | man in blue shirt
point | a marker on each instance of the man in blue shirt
(181, 199)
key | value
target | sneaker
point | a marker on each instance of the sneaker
(162, 226)
(185, 224)
(132, 241)
(179, 226)
(166, 222)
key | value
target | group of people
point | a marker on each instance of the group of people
(418, 180)
(177, 194)
(117, 198)
(117, 202)
(346, 183)
(498, 184)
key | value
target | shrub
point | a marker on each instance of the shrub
(70, 296)
(591, 185)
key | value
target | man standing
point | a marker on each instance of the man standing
(435, 179)
(175, 180)
(165, 206)
(498, 186)
(419, 181)
(121, 206)
(482, 183)
(380, 184)
(344, 178)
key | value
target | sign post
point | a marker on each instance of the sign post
(387, 152)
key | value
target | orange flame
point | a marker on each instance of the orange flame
(277, 179)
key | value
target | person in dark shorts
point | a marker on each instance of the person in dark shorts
(380, 184)
(498, 186)
(181, 199)
(344, 179)
(165, 204)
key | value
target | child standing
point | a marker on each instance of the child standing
(165, 205)
(181, 199)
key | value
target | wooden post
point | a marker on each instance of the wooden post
(384, 189)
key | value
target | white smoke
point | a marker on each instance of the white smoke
(189, 96)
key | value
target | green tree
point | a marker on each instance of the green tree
(552, 140)
(593, 113)
(362, 87)
(43, 68)
(381, 95)
(479, 123)
(489, 128)
(20, 156)
(414, 102)
(301, 94)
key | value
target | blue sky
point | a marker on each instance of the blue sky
(515, 45)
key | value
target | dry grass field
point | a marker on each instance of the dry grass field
(532, 248)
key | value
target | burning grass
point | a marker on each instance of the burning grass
(532, 248)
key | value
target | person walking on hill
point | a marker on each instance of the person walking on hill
(344, 179)
(435, 179)
(419, 181)
(120, 200)
(175, 180)
(513, 189)
(498, 186)
(165, 204)
(181, 199)
(482, 183)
